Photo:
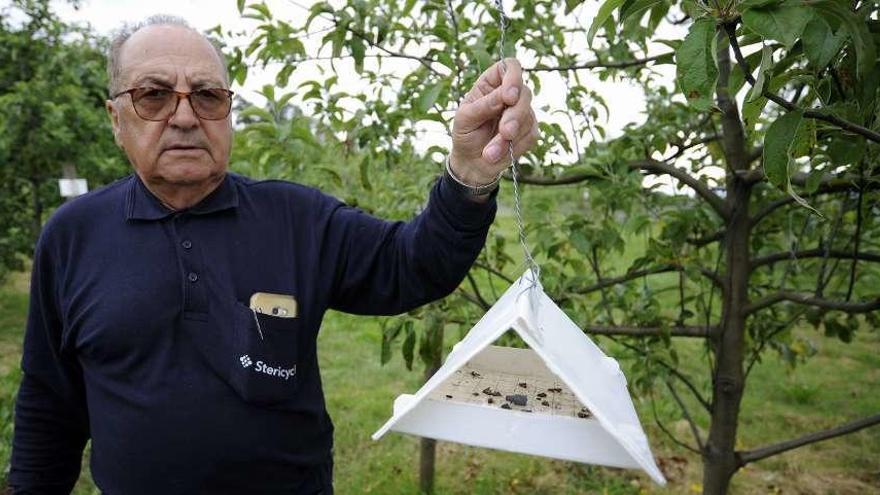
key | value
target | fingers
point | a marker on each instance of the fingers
(506, 74)
(494, 105)
(526, 138)
(472, 115)
(512, 83)
(517, 119)
(494, 114)
(515, 123)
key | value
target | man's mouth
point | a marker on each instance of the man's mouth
(183, 148)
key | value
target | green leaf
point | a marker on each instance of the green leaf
(674, 44)
(665, 59)
(409, 345)
(268, 92)
(240, 5)
(820, 43)
(283, 76)
(264, 11)
(389, 334)
(364, 169)
(407, 8)
(805, 139)
(814, 180)
(571, 4)
(846, 150)
(760, 81)
(777, 148)
(316, 10)
(783, 23)
(838, 12)
(429, 96)
(748, 4)
(334, 175)
(256, 112)
(338, 40)
(752, 113)
(603, 15)
(697, 69)
(580, 242)
(357, 52)
(637, 8)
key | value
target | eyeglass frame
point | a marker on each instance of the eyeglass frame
(180, 96)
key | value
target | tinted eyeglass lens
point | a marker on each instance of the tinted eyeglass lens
(211, 103)
(153, 103)
(159, 104)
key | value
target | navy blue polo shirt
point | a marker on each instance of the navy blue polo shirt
(140, 335)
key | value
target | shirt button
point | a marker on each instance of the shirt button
(187, 244)
(193, 277)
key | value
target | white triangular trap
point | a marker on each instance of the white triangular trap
(577, 406)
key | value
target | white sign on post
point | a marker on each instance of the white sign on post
(71, 188)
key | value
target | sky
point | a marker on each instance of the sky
(624, 99)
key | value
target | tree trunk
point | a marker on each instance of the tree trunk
(427, 449)
(427, 458)
(719, 454)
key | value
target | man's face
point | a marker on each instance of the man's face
(183, 150)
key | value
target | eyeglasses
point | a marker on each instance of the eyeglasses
(159, 104)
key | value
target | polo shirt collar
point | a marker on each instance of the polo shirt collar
(144, 205)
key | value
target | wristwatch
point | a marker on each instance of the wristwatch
(470, 189)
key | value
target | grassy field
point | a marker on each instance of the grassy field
(841, 382)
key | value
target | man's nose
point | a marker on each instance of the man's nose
(184, 116)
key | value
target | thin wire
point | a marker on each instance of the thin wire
(504, 22)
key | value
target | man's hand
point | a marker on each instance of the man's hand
(495, 112)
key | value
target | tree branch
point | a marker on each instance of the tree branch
(687, 415)
(476, 289)
(701, 188)
(808, 300)
(425, 61)
(857, 234)
(675, 372)
(669, 433)
(473, 299)
(553, 181)
(628, 331)
(749, 456)
(494, 272)
(652, 167)
(813, 253)
(596, 64)
(730, 27)
(601, 284)
(709, 239)
(829, 186)
(682, 147)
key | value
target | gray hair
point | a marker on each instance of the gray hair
(128, 30)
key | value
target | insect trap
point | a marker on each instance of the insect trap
(561, 398)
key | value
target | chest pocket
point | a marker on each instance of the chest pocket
(258, 358)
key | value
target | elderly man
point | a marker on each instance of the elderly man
(174, 313)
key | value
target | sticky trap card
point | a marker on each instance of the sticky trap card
(561, 398)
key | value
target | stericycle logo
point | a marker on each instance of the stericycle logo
(262, 367)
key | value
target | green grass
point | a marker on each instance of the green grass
(840, 383)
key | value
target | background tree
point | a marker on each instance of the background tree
(777, 147)
(52, 90)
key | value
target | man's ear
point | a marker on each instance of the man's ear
(113, 113)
